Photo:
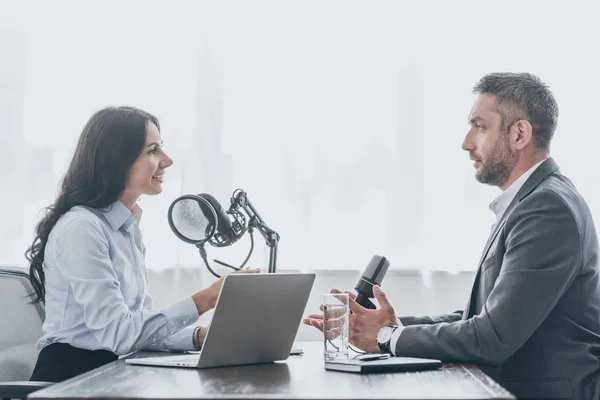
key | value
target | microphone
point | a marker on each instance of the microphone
(197, 219)
(373, 275)
(231, 225)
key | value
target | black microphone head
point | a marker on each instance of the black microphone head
(373, 275)
(224, 224)
(227, 232)
(192, 219)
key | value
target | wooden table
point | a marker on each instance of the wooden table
(299, 377)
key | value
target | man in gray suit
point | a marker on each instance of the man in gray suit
(533, 317)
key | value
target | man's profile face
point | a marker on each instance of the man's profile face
(488, 145)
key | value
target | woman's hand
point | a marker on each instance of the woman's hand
(201, 335)
(207, 298)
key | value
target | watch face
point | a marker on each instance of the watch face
(385, 334)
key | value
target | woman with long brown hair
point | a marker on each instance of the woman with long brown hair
(87, 260)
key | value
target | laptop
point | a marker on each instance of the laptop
(255, 321)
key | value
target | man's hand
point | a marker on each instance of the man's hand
(364, 323)
(334, 314)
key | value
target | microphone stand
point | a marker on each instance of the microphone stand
(239, 198)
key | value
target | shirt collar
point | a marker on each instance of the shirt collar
(501, 203)
(119, 216)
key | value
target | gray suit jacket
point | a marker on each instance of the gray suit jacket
(533, 318)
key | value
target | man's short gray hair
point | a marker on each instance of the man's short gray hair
(523, 96)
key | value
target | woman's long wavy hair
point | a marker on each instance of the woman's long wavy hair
(110, 143)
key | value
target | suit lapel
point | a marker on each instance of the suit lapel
(486, 249)
(546, 168)
(492, 237)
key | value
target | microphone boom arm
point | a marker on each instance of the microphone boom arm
(240, 199)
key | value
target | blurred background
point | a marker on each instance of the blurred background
(342, 120)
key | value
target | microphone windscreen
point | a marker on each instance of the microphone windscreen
(376, 270)
(191, 219)
(373, 275)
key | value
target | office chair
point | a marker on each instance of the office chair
(20, 328)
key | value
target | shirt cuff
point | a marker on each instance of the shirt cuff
(181, 314)
(395, 337)
(179, 341)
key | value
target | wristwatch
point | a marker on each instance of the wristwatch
(384, 337)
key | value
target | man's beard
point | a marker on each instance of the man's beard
(499, 164)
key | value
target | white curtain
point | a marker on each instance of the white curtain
(341, 120)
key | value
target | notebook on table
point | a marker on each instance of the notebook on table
(391, 364)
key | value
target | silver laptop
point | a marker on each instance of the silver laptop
(256, 320)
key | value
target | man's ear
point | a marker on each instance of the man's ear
(522, 134)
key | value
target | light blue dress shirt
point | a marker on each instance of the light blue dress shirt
(97, 289)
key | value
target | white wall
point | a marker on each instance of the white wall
(341, 119)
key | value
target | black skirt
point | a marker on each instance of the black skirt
(58, 362)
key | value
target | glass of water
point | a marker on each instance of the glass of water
(336, 315)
